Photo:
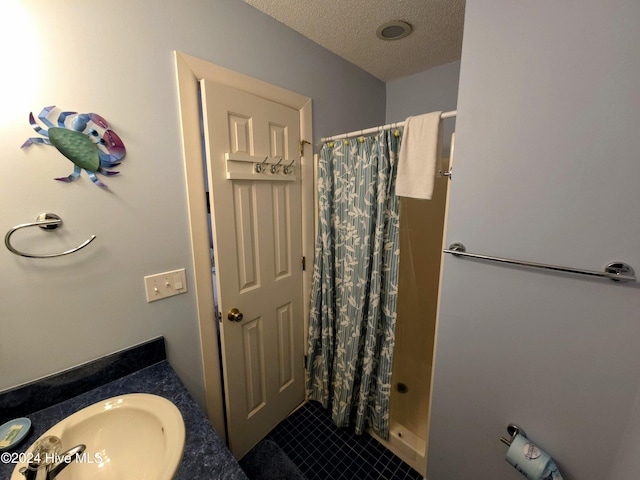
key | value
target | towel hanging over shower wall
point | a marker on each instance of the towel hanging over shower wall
(418, 156)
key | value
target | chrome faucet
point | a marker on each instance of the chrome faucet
(50, 470)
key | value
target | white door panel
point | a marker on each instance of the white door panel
(257, 232)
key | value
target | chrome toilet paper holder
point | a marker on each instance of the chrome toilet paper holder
(513, 430)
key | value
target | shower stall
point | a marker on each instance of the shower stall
(422, 227)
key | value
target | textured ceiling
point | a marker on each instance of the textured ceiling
(348, 29)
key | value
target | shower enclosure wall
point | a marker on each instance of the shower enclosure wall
(422, 225)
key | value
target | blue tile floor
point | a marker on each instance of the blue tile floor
(323, 451)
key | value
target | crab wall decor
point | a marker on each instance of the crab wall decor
(83, 138)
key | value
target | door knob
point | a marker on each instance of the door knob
(235, 315)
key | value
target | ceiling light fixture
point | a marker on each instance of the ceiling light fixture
(394, 30)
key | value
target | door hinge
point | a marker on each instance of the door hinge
(304, 263)
(302, 142)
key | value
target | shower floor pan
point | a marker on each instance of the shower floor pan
(406, 445)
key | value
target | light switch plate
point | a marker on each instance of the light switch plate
(163, 285)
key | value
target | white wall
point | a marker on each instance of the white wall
(428, 91)
(433, 90)
(116, 59)
(546, 170)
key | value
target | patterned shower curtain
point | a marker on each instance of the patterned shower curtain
(355, 281)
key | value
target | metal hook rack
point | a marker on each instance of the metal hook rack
(46, 221)
(242, 166)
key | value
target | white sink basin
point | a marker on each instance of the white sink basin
(129, 437)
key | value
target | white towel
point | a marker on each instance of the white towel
(418, 156)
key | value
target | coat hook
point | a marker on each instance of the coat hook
(275, 168)
(259, 167)
(289, 168)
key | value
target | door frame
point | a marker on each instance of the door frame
(189, 71)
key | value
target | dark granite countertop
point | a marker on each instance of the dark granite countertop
(205, 453)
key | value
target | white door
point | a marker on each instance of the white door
(257, 232)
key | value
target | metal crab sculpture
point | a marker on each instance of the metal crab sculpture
(80, 142)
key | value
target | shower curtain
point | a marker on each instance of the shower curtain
(355, 281)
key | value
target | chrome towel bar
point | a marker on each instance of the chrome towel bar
(616, 271)
(46, 221)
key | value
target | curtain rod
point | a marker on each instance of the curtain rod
(356, 133)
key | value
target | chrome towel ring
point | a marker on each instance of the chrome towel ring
(46, 221)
